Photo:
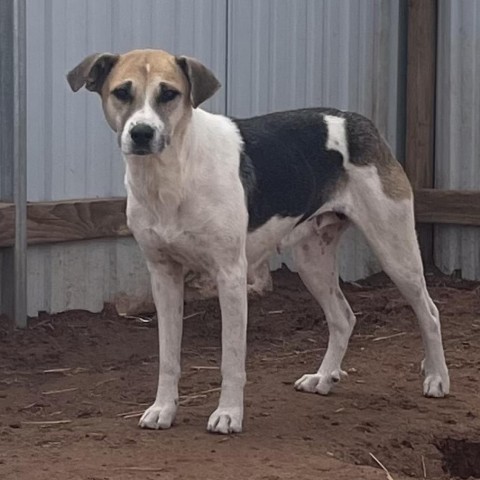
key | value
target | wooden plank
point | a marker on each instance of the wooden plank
(87, 219)
(459, 207)
(51, 222)
(420, 114)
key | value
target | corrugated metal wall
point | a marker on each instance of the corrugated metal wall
(457, 153)
(269, 54)
(344, 54)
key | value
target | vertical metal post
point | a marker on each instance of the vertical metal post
(20, 160)
(13, 155)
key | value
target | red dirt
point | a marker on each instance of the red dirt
(112, 366)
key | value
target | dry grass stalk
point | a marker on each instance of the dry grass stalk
(200, 367)
(203, 392)
(424, 467)
(44, 322)
(57, 370)
(132, 404)
(191, 398)
(379, 339)
(55, 392)
(382, 466)
(49, 422)
(138, 318)
(126, 414)
(103, 382)
(194, 315)
(142, 469)
(133, 415)
(293, 354)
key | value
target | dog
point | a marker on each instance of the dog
(217, 195)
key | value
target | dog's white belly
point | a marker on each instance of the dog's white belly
(275, 235)
(200, 253)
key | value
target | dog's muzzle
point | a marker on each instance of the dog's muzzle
(142, 136)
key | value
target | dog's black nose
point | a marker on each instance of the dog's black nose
(142, 134)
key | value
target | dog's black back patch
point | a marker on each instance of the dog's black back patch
(285, 167)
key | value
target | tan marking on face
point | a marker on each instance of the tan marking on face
(145, 68)
(146, 71)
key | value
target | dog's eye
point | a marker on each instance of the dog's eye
(122, 93)
(167, 95)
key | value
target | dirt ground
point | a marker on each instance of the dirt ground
(93, 373)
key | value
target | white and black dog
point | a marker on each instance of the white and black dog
(217, 195)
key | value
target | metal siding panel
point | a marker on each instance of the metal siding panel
(84, 275)
(458, 128)
(334, 53)
(6, 101)
(38, 119)
(130, 277)
(71, 151)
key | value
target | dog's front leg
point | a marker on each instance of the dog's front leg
(232, 292)
(167, 288)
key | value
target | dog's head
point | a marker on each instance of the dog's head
(147, 95)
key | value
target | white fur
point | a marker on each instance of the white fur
(187, 210)
(186, 207)
(389, 227)
(337, 136)
(146, 115)
(201, 227)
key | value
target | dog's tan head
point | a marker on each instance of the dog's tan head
(147, 95)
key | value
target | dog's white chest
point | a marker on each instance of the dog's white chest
(161, 236)
(180, 245)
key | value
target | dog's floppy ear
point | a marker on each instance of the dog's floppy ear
(92, 72)
(203, 83)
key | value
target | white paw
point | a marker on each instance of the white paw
(158, 416)
(316, 383)
(226, 420)
(437, 381)
(436, 385)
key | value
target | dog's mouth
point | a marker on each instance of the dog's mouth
(142, 151)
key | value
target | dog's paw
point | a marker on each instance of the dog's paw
(321, 384)
(158, 416)
(436, 385)
(226, 420)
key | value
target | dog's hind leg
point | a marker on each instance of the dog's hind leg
(315, 259)
(389, 227)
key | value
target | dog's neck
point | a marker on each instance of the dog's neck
(161, 180)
